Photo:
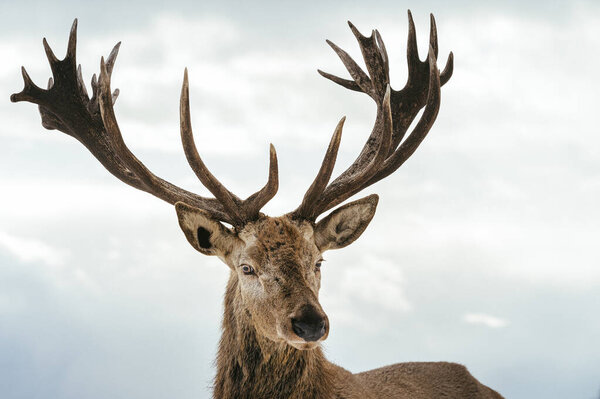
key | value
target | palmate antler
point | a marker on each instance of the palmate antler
(66, 106)
(384, 151)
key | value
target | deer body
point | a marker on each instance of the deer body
(273, 323)
(251, 365)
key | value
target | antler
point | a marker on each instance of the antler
(384, 151)
(66, 106)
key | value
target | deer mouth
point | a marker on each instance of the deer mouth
(303, 346)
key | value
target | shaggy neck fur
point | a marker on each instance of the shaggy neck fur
(252, 366)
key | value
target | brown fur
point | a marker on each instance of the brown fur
(252, 367)
(259, 354)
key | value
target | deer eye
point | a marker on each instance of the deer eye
(318, 265)
(248, 270)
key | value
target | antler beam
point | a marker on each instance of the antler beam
(384, 151)
(66, 106)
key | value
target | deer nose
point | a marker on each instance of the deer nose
(310, 325)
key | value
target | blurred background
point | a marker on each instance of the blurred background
(483, 251)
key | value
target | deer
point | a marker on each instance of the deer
(273, 324)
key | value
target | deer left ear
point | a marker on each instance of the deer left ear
(344, 225)
(206, 234)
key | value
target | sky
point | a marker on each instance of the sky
(483, 250)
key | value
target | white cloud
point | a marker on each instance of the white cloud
(64, 199)
(504, 189)
(378, 281)
(365, 292)
(482, 319)
(11, 304)
(32, 250)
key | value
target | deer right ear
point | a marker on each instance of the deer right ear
(205, 234)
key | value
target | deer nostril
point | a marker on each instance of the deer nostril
(322, 327)
(309, 330)
(297, 329)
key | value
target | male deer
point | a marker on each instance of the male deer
(273, 323)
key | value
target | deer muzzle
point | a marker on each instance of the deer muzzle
(309, 323)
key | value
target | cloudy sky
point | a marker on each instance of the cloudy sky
(483, 251)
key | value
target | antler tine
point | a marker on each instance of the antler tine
(81, 83)
(66, 106)
(240, 211)
(113, 132)
(359, 76)
(50, 55)
(195, 161)
(348, 84)
(94, 84)
(342, 189)
(412, 50)
(433, 39)
(112, 57)
(433, 42)
(412, 142)
(31, 92)
(256, 201)
(384, 54)
(371, 51)
(385, 150)
(448, 69)
(72, 44)
(305, 210)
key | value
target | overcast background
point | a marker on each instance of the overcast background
(483, 251)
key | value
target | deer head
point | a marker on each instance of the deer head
(275, 261)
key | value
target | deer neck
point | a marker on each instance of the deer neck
(252, 366)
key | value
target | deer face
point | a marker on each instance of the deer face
(277, 261)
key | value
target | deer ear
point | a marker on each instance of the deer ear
(205, 234)
(344, 225)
